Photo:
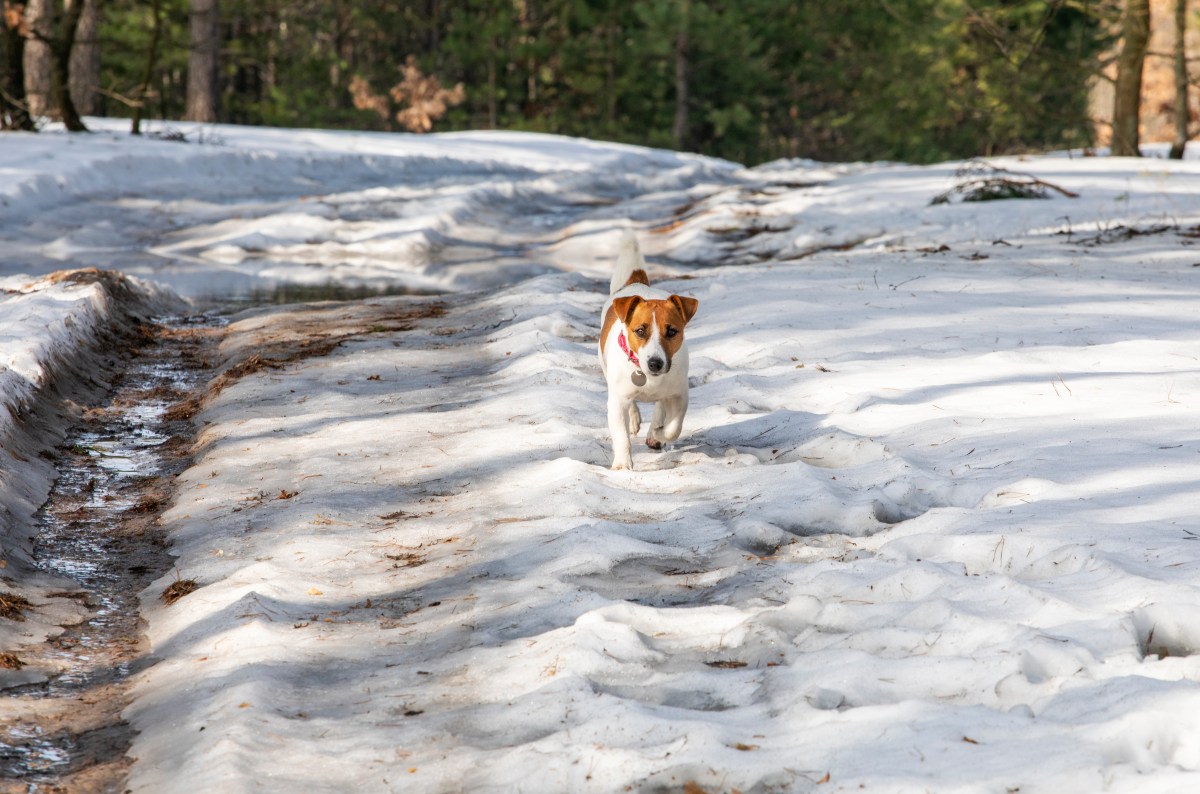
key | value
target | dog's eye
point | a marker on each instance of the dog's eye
(671, 332)
(641, 332)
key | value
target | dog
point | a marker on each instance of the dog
(643, 354)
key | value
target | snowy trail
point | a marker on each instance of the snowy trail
(930, 525)
(869, 570)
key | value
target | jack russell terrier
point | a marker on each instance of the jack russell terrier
(643, 354)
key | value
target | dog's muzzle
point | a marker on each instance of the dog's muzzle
(656, 365)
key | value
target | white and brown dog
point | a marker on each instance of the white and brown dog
(643, 355)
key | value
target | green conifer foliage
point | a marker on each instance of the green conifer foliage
(913, 80)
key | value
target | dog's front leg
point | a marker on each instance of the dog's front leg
(667, 423)
(635, 418)
(618, 415)
(654, 438)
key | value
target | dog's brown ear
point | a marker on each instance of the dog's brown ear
(624, 307)
(687, 306)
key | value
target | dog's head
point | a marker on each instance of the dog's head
(655, 328)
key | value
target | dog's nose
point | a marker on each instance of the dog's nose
(656, 365)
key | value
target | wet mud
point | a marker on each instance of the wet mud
(99, 528)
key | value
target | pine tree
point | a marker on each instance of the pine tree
(85, 60)
(205, 42)
(1127, 99)
(14, 111)
(1181, 82)
(38, 60)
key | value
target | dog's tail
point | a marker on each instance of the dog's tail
(629, 259)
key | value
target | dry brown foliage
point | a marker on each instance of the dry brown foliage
(178, 589)
(12, 605)
(421, 99)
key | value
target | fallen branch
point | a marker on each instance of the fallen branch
(983, 182)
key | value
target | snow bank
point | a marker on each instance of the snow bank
(59, 338)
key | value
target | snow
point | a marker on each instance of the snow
(243, 210)
(930, 525)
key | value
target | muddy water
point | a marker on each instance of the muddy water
(99, 529)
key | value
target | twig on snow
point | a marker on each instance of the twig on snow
(983, 182)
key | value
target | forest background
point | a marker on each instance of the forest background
(747, 80)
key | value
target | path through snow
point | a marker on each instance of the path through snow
(930, 525)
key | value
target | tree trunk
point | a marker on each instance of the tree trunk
(434, 15)
(85, 61)
(338, 95)
(612, 34)
(148, 75)
(1128, 97)
(38, 64)
(14, 113)
(1181, 82)
(680, 126)
(60, 49)
(528, 33)
(491, 78)
(202, 62)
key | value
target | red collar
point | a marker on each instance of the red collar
(625, 347)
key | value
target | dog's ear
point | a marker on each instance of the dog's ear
(624, 307)
(687, 306)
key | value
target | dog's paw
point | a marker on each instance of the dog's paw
(622, 465)
(653, 443)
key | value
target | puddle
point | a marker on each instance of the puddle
(275, 284)
(293, 292)
(98, 528)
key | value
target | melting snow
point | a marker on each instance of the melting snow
(930, 525)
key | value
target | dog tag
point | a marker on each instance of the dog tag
(638, 377)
